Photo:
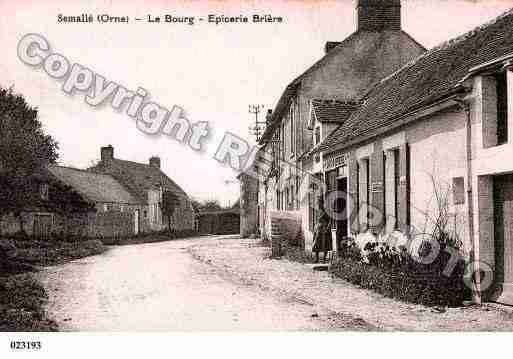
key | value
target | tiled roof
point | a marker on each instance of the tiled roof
(368, 49)
(138, 178)
(431, 77)
(333, 110)
(94, 187)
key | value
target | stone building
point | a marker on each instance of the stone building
(114, 199)
(44, 202)
(344, 74)
(146, 183)
(248, 204)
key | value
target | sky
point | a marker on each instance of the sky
(212, 71)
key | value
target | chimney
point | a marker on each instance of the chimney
(379, 15)
(155, 162)
(268, 116)
(107, 153)
(330, 45)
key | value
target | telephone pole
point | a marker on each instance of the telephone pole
(258, 128)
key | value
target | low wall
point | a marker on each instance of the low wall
(287, 227)
(112, 224)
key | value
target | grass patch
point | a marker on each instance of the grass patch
(45, 253)
(152, 237)
(22, 300)
(22, 297)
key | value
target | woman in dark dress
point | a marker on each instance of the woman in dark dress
(322, 236)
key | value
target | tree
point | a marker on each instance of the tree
(170, 202)
(25, 151)
(211, 205)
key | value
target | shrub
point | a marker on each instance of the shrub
(396, 273)
(22, 299)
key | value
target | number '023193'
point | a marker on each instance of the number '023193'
(25, 345)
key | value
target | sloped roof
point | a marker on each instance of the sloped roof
(432, 76)
(94, 187)
(138, 178)
(365, 51)
(333, 110)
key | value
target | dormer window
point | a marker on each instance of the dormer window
(43, 191)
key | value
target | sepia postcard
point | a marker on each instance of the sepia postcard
(225, 172)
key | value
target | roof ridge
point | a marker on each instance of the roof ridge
(79, 170)
(134, 162)
(443, 45)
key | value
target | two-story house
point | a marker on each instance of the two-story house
(147, 183)
(345, 73)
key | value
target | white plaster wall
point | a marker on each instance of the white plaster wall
(437, 148)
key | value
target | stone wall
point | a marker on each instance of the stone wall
(219, 223)
(248, 205)
(285, 229)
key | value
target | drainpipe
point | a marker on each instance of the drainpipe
(476, 278)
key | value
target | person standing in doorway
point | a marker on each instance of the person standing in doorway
(322, 234)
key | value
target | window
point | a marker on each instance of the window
(384, 181)
(331, 185)
(145, 214)
(313, 202)
(43, 191)
(458, 190)
(397, 183)
(291, 125)
(106, 207)
(317, 135)
(155, 213)
(298, 184)
(364, 189)
(502, 107)
(283, 142)
(310, 211)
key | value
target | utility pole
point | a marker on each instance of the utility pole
(259, 127)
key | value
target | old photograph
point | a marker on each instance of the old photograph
(255, 166)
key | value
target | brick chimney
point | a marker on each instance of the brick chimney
(107, 153)
(155, 162)
(379, 15)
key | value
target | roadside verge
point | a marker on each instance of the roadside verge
(250, 261)
(22, 297)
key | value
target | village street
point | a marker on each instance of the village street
(228, 283)
(161, 286)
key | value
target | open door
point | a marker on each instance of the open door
(503, 216)
(136, 222)
(341, 209)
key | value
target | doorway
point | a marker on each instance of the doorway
(42, 226)
(503, 230)
(342, 229)
(136, 222)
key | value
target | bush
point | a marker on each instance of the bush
(21, 304)
(397, 274)
(53, 252)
